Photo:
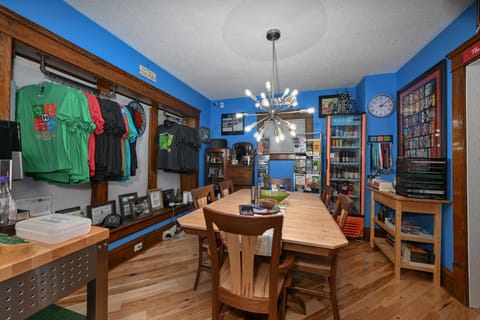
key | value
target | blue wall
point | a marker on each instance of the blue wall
(60, 18)
(306, 99)
(450, 38)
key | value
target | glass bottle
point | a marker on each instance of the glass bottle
(178, 196)
(8, 210)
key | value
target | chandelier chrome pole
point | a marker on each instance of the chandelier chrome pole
(271, 104)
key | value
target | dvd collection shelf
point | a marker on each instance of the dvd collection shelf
(401, 237)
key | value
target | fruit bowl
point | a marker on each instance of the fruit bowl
(275, 195)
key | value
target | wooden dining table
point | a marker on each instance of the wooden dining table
(308, 226)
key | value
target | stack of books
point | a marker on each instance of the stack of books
(409, 228)
(416, 256)
(381, 185)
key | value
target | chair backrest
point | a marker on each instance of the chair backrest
(226, 187)
(241, 236)
(202, 196)
(326, 196)
(343, 205)
(280, 181)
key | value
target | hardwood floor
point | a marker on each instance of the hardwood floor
(158, 285)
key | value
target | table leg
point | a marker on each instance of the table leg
(97, 289)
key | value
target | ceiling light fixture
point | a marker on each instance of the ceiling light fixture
(272, 104)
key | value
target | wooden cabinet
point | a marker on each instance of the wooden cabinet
(215, 166)
(402, 205)
(241, 175)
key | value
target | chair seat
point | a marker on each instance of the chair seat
(260, 280)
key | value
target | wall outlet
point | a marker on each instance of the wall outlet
(137, 246)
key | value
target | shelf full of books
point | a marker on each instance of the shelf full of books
(307, 164)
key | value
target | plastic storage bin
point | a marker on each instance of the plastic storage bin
(53, 228)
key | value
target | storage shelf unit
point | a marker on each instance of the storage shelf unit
(401, 205)
(216, 166)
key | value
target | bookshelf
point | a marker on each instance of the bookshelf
(401, 205)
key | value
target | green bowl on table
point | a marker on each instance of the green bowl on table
(275, 195)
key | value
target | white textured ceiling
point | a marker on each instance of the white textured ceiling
(218, 47)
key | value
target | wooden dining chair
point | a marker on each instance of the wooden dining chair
(324, 266)
(226, 187)
(200, 198)
(245, 280)
(326, 196)
(342, 209)
(285, 182)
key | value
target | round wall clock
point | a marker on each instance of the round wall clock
(138, 115)
(381, 105)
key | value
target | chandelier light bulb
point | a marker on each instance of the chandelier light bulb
(273, 105)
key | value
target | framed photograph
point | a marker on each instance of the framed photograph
(140, 207)
(98, 212)
(155, 198)
(124, 203)
(205, 134)
(232, 125)
(422, 115)
(168, 197)
(74, 211)
(328, 105)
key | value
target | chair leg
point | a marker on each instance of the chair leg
(216, 308)
(200, 262)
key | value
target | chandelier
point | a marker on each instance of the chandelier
(274, 104)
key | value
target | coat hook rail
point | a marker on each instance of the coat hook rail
(72, 83)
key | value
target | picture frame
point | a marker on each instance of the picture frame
(231, 125)
(328, 105)
(168, 197)
(73, 211)
(421, 121)
(97, 212)
(205, 134)
(124, 203)
(155, 198)
(140, 207)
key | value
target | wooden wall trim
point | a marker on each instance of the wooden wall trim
(51, 44)
(6, 49)
(458, 279)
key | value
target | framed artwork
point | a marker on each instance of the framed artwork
(168, 197)
(232, 125)
(140, 207)
(74, 211)
(422, 115)
(98, 212)
(328, 105)
(156, 199)
(124, 203)
(205, 134)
